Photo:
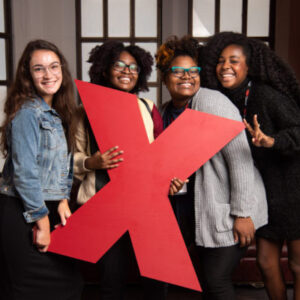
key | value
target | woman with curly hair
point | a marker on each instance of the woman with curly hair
(37, 138)
(226, 195)
(265, 89)
(125, 68)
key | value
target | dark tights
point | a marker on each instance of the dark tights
(216, 268)
(268, 260)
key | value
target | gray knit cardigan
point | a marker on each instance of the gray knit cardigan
(228, 184)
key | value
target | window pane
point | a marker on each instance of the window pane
(3, 91)
(2, 27)
(146, 18)
(92, 18)
(231, 15)
(118, 18)
(86, 49)
(151, 47)
(2, 60)
(258, 18)
(203, 18)
(151, 95)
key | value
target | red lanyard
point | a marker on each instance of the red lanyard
(246, 99)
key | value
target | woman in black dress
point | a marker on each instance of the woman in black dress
(267, 94)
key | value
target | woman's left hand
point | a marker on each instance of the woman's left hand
(259, 139)
(176, 186)
(243, 231)
(64, 211)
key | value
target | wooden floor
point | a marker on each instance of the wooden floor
(175, 293)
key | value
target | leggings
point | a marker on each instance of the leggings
(216, 267)
(114, 267)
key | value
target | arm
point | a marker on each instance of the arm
(241, 172)
(279, 128)
(25, 136)
(84, 162)
(81, 149)
(25, 142)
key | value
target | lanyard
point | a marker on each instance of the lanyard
(246, 99)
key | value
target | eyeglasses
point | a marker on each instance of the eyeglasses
(39, 71)
(180, 71)
(121, 66)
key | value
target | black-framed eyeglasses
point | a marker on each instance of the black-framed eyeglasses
(121, 66)
(180, 71)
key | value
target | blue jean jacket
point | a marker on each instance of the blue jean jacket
(38, 166)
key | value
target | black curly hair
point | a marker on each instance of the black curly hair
(104, 56)
(263, 64)
(174, 47)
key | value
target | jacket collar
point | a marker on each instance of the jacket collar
(43, 105)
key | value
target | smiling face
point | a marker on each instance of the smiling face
(182, 88)
(124, 80)
(232, 68)
(46, 82)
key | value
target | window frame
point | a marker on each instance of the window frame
(132, 39)
(270, 39)
(7, 36)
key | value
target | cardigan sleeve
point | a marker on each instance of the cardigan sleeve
(236, 154)
(239, 163)
(240, 167)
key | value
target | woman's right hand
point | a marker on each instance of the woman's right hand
(41, 234)
(259, 139)
(104, 161)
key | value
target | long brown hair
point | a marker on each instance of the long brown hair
(23, 89)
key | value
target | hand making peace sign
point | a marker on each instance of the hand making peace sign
(259, 139)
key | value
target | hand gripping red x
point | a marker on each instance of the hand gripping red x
(136, 198)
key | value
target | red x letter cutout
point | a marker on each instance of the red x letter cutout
(136, 198)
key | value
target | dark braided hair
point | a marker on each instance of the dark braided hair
(104, 56)
(174, 47)
(263, 64)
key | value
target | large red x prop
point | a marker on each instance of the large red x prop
(136, 198)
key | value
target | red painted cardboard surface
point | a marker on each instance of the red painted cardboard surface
(136, 198)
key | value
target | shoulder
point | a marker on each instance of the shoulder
(30, 109)
(216, 103)
(266, 91)
(266, 96)
(148, 102)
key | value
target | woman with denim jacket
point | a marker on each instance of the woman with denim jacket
(37, 137)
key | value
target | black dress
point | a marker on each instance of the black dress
(27, 274)
(279, 117)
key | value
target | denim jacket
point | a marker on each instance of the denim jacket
(38, 166)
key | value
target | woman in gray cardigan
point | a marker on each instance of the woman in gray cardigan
(225, 199)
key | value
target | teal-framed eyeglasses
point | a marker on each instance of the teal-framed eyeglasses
(180, 71)
(120, 66)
